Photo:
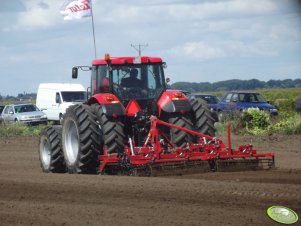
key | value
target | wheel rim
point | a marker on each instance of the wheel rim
(71, 141)
(45, 152)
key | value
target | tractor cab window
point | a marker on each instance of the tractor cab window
(141, 81)
(100, 79)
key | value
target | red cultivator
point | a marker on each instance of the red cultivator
(209, 153)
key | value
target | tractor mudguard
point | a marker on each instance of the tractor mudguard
(110, 104)
(173, 101)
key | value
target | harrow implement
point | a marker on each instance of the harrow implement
(158, 155)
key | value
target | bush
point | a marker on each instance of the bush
(255, 118)
(287, 125)
(285, 105)
(256, 122)
(20, 129)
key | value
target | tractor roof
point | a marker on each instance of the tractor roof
(128, 60)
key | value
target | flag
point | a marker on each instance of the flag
(72, 9)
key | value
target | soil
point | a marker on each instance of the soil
(30, 197)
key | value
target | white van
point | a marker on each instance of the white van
(54, 98)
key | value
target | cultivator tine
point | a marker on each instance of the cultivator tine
(244, 164)
(172, 169)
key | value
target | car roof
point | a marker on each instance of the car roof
(242, 92)
(22, 104)
(203, 94)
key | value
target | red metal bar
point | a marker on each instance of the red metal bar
(229, 138)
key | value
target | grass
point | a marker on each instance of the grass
(19, 129)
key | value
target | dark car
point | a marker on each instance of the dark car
(211, 100)
(237, 101)
(298, 105)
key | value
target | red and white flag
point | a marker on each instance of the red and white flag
(72, 9)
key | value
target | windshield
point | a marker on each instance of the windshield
(251, 97)
(141, 81)
(73, 96)
(25, 108)
(209, 99)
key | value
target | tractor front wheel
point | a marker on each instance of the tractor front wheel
(50, 152)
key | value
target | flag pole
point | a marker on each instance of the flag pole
(93, 30)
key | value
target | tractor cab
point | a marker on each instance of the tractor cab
(129, 78)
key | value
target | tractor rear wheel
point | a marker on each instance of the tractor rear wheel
(50, 152)
(112, 131)
(178, 137)
(82, 140)
(202, 117)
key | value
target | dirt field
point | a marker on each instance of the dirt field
(30, 197)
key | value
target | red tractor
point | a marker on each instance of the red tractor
(131, 122)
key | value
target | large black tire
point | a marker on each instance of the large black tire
(112, 131)
(202, 117)
(50, 150)
(81, 139)
(178, 137)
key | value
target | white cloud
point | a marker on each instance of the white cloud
(38, 14)
(201, 51)
(198, 51)
(142, 12)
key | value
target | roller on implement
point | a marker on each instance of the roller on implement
(132, 124)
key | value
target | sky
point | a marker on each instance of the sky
(200, 40)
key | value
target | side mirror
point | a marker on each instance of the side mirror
(89, 93)
(167, 80)
(58, 99)
(74, 72)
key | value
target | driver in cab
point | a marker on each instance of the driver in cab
(132, 81)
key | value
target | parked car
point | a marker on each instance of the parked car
(298, 105)
(25, 113)
(1, 110)
(210, 99)
(236, 101)
(54, 98)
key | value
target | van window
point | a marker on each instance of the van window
(57, 98)
(73, 96)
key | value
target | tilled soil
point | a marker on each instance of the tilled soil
(30, 197)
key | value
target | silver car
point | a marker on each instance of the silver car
(25, 113)
(1, 109)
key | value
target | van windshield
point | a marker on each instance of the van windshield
(73, 96)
